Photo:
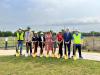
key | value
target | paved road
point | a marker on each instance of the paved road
(86, 55)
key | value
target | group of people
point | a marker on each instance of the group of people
(49, 44)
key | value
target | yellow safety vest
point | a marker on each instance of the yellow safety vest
(77, 38)
(20, 36)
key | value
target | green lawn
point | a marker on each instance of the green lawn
(10, 65)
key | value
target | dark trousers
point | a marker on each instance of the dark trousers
(29, 47)
(60, 49)
(41, 47)
(36, 45)
(75, 47)
(67, 46)
(6, 43)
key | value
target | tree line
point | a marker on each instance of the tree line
(6, 33)
(9, 33)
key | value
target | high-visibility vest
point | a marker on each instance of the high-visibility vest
(20, 36)
(77, 38)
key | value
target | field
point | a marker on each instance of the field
(47, 66)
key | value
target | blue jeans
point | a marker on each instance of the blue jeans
(20, 45)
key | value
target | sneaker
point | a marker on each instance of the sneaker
(30, 54)
(21, 55)
(72, 57)
(26, 55)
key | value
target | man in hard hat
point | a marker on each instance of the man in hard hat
(77, 42)
(67, 41)
(20, 39)
(28, 40)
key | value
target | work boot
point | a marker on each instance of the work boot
(80, 57)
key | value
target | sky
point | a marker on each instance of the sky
(40, 14)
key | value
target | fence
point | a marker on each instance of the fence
(90, 43)
(7, 42)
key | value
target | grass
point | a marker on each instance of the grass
(10, 65)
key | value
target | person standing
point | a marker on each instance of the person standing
(20, 39)
(48, 44)
(54, 43)
(67, 42)
(77, 40)
(41, 43)
(36, 44)
(28, 40)
(60, 43)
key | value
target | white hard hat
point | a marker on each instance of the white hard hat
(35, 32)
(41, 32)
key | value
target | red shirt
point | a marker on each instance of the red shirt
(59, 37)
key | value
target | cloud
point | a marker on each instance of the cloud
(83, 20)
(60, 10)
(16, 12)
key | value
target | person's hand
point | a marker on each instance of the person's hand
(26, 41)
(66, 42)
